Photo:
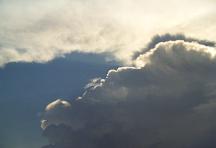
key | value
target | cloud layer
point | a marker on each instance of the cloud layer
(168, 101)
(61, 27)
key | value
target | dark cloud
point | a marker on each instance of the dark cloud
(168, 102)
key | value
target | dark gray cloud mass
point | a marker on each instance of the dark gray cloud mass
(167, 101)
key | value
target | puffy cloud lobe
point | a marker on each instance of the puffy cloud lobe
(56, 112)
(170, 37)
(167, 102)
(60, 112)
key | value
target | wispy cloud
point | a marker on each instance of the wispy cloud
(38, 31)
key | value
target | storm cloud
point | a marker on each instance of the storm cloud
(167, 100)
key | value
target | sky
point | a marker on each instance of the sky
(117, 73)
(26, 88)
(96, 26)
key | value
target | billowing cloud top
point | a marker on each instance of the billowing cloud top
(167, 101)
(116, 26)
(58, 108)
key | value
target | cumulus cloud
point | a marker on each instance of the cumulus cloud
(56, 112)
(170, 37)
(61, 27)
(166, 101)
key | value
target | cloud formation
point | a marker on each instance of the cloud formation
(168, 101)
(61, 27)
(56, 112)
(170, 37)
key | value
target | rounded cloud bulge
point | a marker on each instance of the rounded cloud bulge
(55, 112)
(166, 100)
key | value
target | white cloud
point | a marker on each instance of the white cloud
(50, 28)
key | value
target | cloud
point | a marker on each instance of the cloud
(166, 101)
(39, 84)
(170, 37)
(56, 112)
(29, 35)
